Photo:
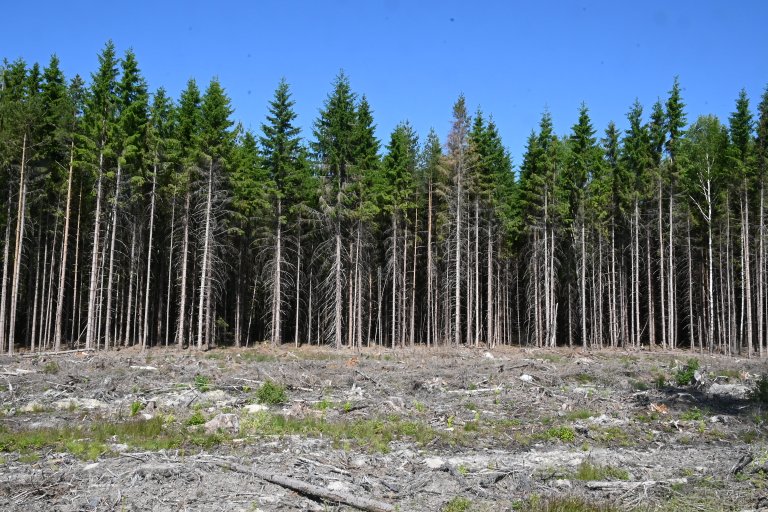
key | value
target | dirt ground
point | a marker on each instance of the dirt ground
(408, 430)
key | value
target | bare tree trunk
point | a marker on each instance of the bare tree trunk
(110, 271)
(90, 330)
(33, 330)
(298, 285)
(57, 333)
(489, 288)
(477, 273)
(394, 279)
(204, 265)
(169, 288)
(760, 278)
(76, 307)
(148, 275)
(337, 307)
(430, 297)
(747, 271)
(672, 303)
(583, 284)
(457, 268)
(662, 270)
(16, 276)
(413, 280)
(129, 316)
(277, 279)
(3, 287)
(184, 265)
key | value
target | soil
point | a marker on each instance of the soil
(465, 429)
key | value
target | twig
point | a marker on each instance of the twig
(327, 466)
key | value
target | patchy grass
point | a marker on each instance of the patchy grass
(202, 383)
(579, 414)
(562, 433)
(374, 434)
(693, 414)
(562, 504)
(89, 442)
(458, 504)
(588, 472)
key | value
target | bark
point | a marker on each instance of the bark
(148, 275)
(90, 330)
(16, 275)
(205, 257)
(57, 333)
(184, 265)
(3, 287)
(111, 269)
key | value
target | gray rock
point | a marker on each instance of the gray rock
(225, 422)
(737, 391)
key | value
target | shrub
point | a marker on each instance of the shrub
(685, 375)
(760, 392)
(202, 383)
(271, 394)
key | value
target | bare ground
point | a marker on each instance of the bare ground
(409, 430)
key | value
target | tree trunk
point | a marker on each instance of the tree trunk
(110, 271)
(184, 265)
(20, 218)
(90, 330)
(57, 333)
(148, 275)
(3, 287)
(204, 264)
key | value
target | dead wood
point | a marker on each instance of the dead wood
(307, 489)
(599, 485)
(58, 352)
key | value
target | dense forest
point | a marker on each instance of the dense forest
(130, 218)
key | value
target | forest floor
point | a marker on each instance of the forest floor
(408, 430)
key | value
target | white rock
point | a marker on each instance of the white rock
(525, 378)
(255, 408)
(434, 462)
(488, 355)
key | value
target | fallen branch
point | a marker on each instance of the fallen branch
(308, 489)
(57, 352)
(630, 486)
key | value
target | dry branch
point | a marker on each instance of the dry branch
(57, 352)
(308, 489)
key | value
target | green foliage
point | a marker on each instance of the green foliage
(563, 433)
(202, 383)
(685, 375)
(759, 392)
(693, 414)
(457, 504)
(136, 407)
(51, 368)
(271, 393)
(197, 418)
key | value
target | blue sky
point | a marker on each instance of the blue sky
(412, 59)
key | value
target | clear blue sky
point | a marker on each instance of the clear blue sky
(413, 58)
